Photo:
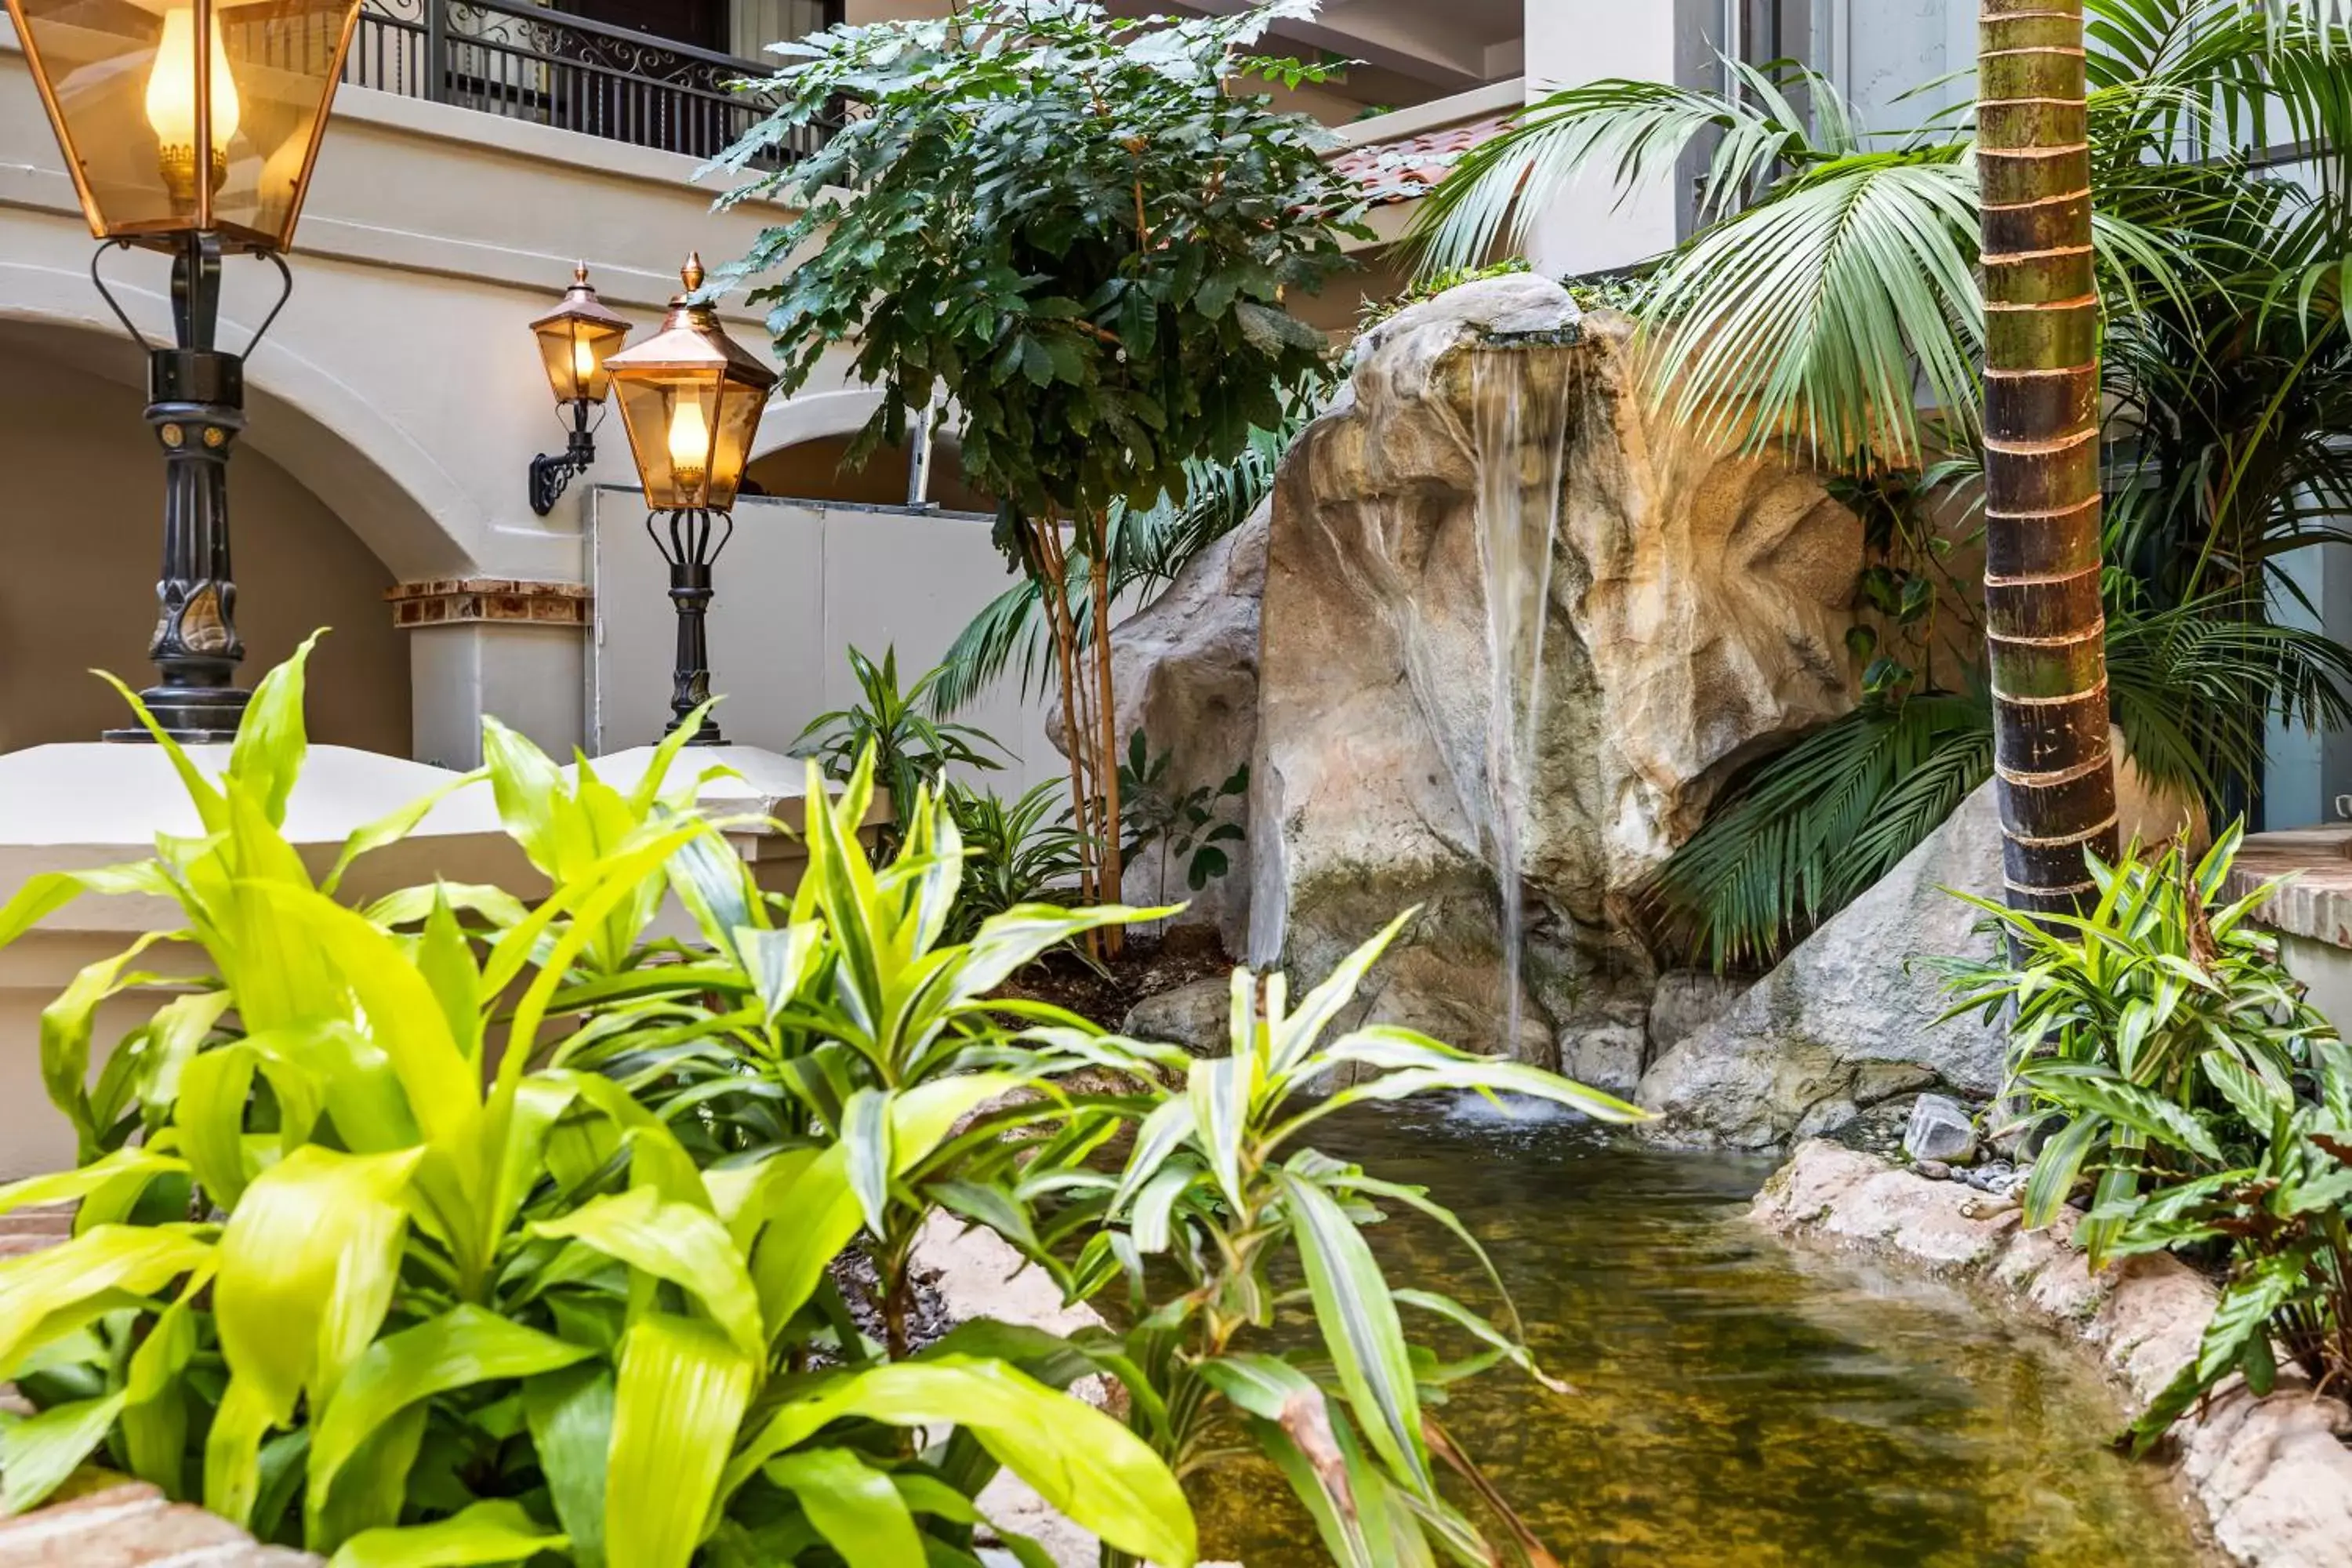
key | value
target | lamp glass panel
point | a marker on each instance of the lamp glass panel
(672, 418)
(179, 114)
(738, 420)
(575, 351)
(286, 56)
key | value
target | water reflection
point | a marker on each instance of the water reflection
(1739, 1402)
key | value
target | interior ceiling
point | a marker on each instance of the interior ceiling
(1444, 48)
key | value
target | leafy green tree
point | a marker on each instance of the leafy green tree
(1073, 235)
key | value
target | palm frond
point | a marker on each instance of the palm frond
(1821, 317)
(1637, 131)
(2195, 685)
(1807, 829)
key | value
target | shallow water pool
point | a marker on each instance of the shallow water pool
(1739, 1401)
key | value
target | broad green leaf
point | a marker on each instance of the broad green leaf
(807, 1221)
(528, 788)
(1294, 1040)
(676, 1242)
(232, 1469)
(779, 962)
(108, 1257)
(485, 1532)
(570, 1417)
(1162, 1133)
(404, 1019)
(307, 1267)
(1091, 1468)
(865, 1135)
(1219, 1090)
(39, 1452)
(854, 1508)
(155, 1406)
(391, 828)
(68, 1186)
(271, 745)
(1358, 1319)
(462, 1347)
(682, 1392)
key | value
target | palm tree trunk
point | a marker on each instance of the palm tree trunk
(2045, 627)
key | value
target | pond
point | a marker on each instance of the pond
(1739, 1401)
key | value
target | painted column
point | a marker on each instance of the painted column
(499, 645)
(1587, 229)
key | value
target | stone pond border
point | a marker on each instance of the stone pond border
(2273, 1477)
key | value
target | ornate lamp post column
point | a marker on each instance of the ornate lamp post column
(691, 399)
(191, 127)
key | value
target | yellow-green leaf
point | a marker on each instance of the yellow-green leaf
(681, 1396)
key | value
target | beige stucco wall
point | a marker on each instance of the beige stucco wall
(85, 488)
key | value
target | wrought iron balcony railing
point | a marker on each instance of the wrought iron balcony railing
(523, 61)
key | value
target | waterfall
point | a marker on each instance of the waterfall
(1520, 395)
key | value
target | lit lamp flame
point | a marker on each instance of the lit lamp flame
(172, 101)
(583, 362)
(689, 444)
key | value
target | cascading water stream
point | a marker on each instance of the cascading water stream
(1519, 399)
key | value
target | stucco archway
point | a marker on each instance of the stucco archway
(800, 444)
(324, 432)
(85, 496)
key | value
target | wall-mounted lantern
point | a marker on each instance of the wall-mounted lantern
(575, 339)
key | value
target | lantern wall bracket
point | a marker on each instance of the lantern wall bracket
(552, 473)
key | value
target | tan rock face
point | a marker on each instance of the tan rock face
(1698, 606)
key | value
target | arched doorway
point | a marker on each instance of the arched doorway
(84, 503)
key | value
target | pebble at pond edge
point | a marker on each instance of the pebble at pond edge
(2273, 1477)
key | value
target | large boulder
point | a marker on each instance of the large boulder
(1848, 1019)
(1697, 608)
(1843, 1022)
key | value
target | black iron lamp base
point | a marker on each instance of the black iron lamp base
(196, 406)
(691, 544)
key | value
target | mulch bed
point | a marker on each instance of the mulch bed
(1148, 966)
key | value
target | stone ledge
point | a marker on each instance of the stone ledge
(460, 601)
(131, 1526)
(2319, 903)
(2272, 1476)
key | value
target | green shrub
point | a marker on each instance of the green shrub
(912, 751)
(2165, 1053)
(368, 1259)
(1191, 827)
(1222, 1191)
(1016, 852)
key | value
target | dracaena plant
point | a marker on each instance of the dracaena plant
(911, 748)
(366, 1260)
(1224, 1191)
(2147, 1034)
(2283, 1221)
(865, 1007)
(2159, 1043)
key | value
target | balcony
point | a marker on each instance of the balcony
(521, 61)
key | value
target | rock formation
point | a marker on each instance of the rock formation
(1696, 610)
(1843, 1023)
